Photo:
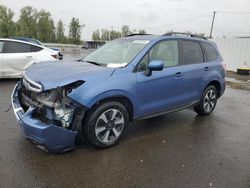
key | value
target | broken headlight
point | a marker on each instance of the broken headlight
(58, 108)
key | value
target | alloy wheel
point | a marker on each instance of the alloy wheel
(209, 101)
(109, 126)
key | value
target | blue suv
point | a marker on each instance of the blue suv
(135, 77)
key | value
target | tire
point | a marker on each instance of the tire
(106, 124)
(207, 102)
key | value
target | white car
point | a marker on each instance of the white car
(16, 56)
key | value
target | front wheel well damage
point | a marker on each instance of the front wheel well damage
(122, 99)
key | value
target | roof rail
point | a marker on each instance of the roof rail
(134, 34)
(184, 34)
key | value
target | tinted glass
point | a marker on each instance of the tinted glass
(35, 48)
(16, 47)
(191, 52)
(1, 46)
(117, 53)
(210, 52)
(167, 52)
(143, 63)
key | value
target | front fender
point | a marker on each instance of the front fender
(108, 94)
(89, 103)
(92, 91)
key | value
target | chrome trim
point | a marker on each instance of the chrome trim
(13, 97)
(28, 86)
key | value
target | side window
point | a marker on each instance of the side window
(210, 52)
(35, 48)
(16, 47)
(167, 52)
(191, 52)
(143, 63)
(1, 46)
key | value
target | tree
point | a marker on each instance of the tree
(60, 36)
(96, 35)
(75, 30)
(125, 30)
(45, 27)
(27, 23)
(7, 26)
(115, 35)
(105, 35)
(142, 31)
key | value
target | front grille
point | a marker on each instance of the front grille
(27, 97)
(31, 85)
(25, 91)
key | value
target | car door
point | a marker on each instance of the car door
(16, 57)
(1, 58)
(162, 90)
(193, 60)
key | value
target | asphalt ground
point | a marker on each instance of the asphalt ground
(176, 150)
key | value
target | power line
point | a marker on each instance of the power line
(179, 22)
(233, 12)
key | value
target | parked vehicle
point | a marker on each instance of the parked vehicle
(35, 41)
(16, 56)
(129, 78)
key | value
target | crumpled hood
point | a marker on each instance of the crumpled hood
(55, 74)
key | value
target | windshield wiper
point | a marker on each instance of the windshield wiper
(94, 63)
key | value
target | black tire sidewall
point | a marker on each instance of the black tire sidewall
(89, 126)
(200, 107)
(211, 87)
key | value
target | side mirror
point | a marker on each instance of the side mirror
(154, 65)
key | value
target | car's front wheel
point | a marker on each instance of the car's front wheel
(208, 101)
(106, 124)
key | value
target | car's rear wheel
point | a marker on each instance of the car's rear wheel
(106, 124)
(208, 101)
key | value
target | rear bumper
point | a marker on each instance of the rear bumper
(223, 87)
(50, 138)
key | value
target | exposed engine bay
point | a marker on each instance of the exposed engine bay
(53, 106)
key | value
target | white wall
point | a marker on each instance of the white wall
(235, 51)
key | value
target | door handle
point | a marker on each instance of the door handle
(29, 56)
(178, 74)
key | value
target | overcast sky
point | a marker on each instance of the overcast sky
(157, 17)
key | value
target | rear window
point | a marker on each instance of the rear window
(1, 46)
(191, 52)
(35, 48)
(16, 47)
(210, 52)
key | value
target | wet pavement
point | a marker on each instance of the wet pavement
(175, 150)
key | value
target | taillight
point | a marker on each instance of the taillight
(55, 56)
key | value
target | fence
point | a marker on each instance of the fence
(235, 51)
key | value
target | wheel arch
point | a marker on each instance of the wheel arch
(217, 85)
(123, 100)
(122, 97)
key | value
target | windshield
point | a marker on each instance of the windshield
(117, 53)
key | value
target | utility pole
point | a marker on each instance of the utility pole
(212, 25)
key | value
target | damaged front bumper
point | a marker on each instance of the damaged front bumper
(48, 137)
